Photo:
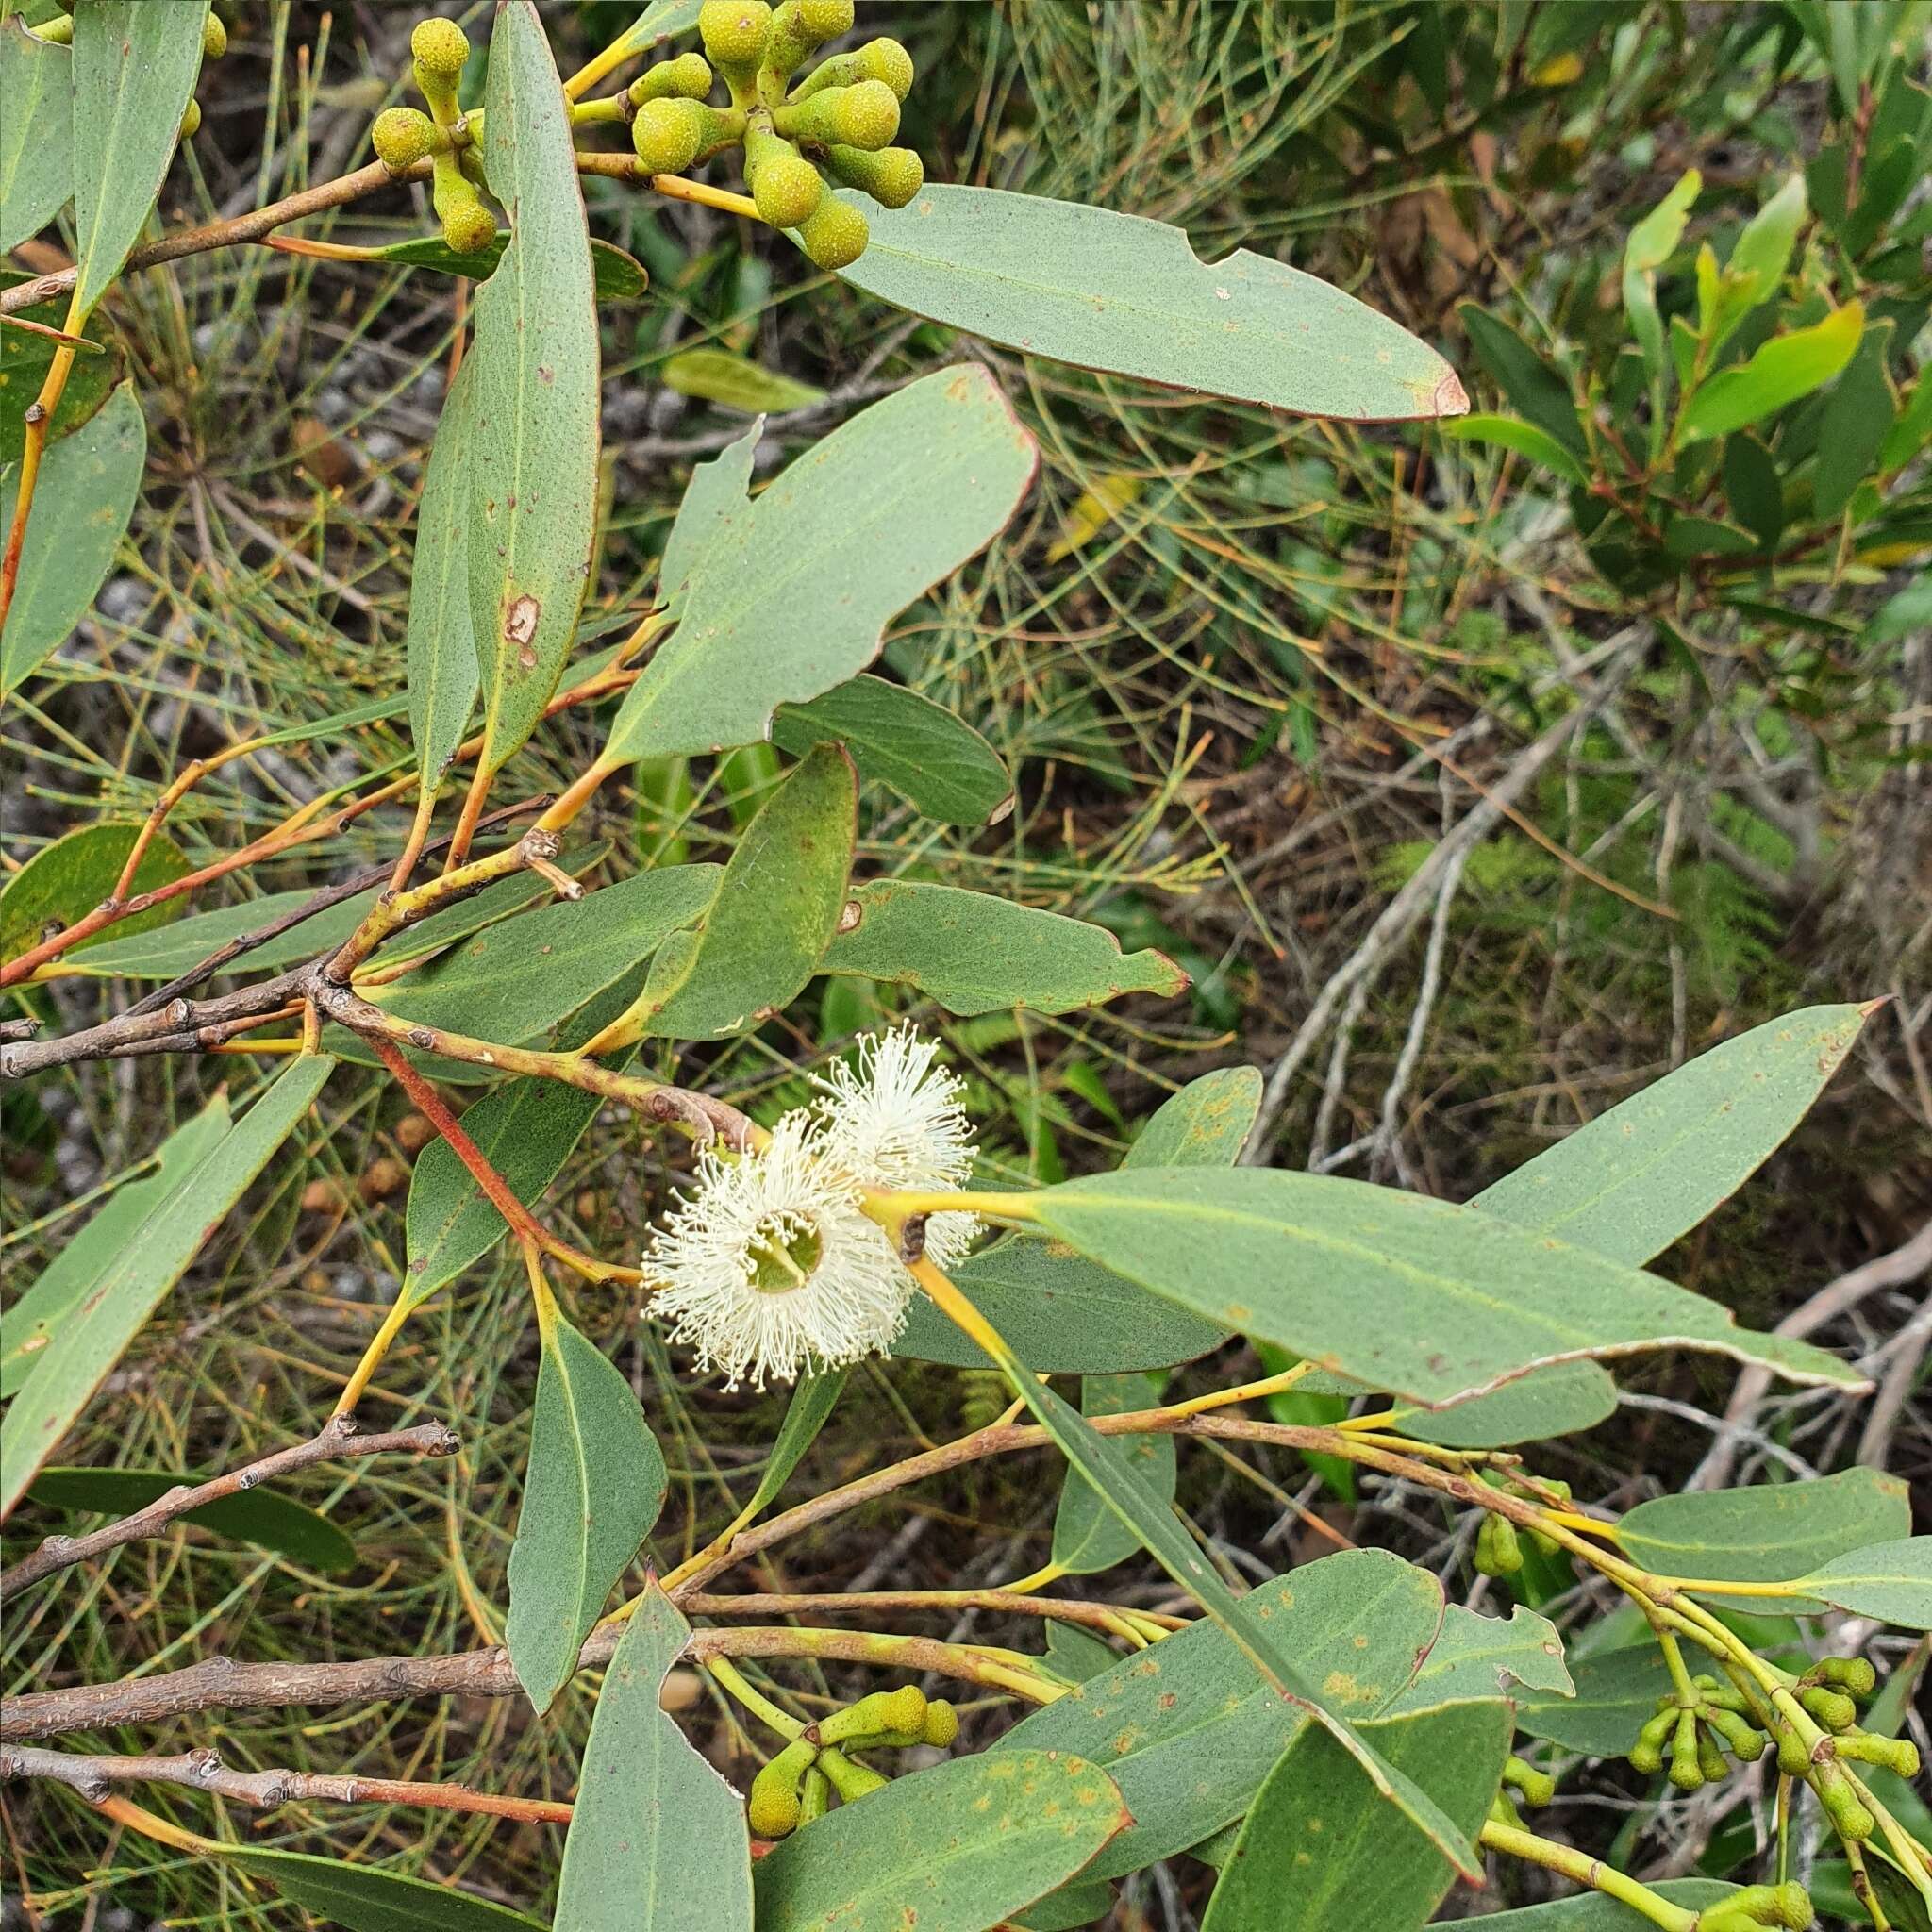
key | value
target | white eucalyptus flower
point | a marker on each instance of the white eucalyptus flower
(896, 1121)
(768, 1269)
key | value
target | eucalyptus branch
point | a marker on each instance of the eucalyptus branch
(337, 1441)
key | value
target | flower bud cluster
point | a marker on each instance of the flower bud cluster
(797, 1784)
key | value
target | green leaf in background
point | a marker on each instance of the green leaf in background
(1615, 1692)
(615, 276)
(36, 134)
(934, 760)
(955, 1848)
(716, 375)
(134, 70)
(1591, 1911)
(533, 454)
(1631, 1181)
(1891, 1581)
(31, 1321)
(1650, 244)
(1562, 1399)
(1123, 293)
(658, 22)
(1476, 1657)
(1763, 248)
(1541, 393)
(1766, 1534)
(364, 1898)
(591, 1494)
(1787, 367)
(1526, 438)
(1395, 1289)
(1857, 418)
(66, 880)
(1087, 1536)
(25, 358)
(1079, 1902)
(129, 1289)
(1753, 488)
(1075, 1653)
(252, 1515)
(718, 492)
(811, 1405)
(659, 1842)
(516, 981)
(82, 503)
(976, 953)
(441, 644)
(1060, 1311)
(797, 589)
(1317, 1852)
(1188, 1732)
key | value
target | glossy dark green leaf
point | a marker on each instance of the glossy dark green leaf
(532, 459)
(1526, 438)
(716, 375)
(798, 587)
(441, 644)
(955, 1848)
(25, 356)
(1616, 1691)
(36, 134)
(1063, 1313)
(1087, 1536)
(659, 1841)
(1769, 1533)
(364, 1898)
(1891, 1581)
(128, 1291)
(1123, 293)
(591, 1494)
(1477, 1656)
(1591, 1911)
(1187, 1730)
(134, 69)
(64, 881)
(84, 1256)
(615, 276)
(979, 953)
(252, 1515)
(1857, 418)
(1631, 1181)
(934, 760)
(1541, 395)
(777, 905)
(1753, 488)
(1319, 1854)
(81, 506)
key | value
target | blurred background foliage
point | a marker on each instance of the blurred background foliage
(1248, 673)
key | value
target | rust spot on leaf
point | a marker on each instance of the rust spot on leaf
(520, 626)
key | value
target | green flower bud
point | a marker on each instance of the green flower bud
(836, 235)
(1757, 1905)
(1498, 1549)
(665, 135)
(402, 136)
(1710, 1760)
(191, 121)
(1686, 1772)
(774, 1807)
(880, 59)
(438, 49)
(1747, 1742)
(468, 226)
(734, 33)
(1852, 1675)
(863, 115)
(686, 78)
(1897, 1755)
(1832, 1708)
(892, 176)
(905, 1709)
(1843, 1805)
(797, 28)
(1538, 1787)
(1790, 1905)
(941, 1724)
(851, 1781)
(784, 184)
(1793, 1760)
(1503, 1812)
(214, 37)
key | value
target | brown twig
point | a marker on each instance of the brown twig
(137, 1031)
(337, 1441)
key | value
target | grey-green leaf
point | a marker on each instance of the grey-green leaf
(955, 1848)
(794, 593)
(934, 760)
(365, 1898)
(1615, 1690)
(1395, 1289)
(659, 1841)
(811, 1405)
(977, 953)
(1593, 1911)
(591, 1494)
(441, 642)
(1477, 1655)
(36, 132)
(533, 461)
(153, 1258)
(81, 507)
(1087, 1536)
(134, 69)
(718, 492)
(1891, 1581)
(1120, 292)
(1624, 1185)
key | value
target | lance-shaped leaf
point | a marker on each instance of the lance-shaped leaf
(1124, 293)
(1476, 1657)
(82, 503)
(591, 1494)
(1318, 1853)
(718, 492)
(659, 1842)
(440, 642)
(533, 457)
(615, 276)
(716, 375)
(1782, 369)
(776, 906)
(1395, 1290)
(1613, 1692)
(1891, 1581)
(134, 69)
(975, 953)
(90, 1340)
(794, 593)
(1767, 1534)
(25, 356)
(365, 1898)
(811, 1405)
(36, 133)
(934, 760)
(955, 1848)
(1593, 1911)
(1087, 1536)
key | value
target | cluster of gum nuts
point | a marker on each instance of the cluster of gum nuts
(835, 126)
(797, 1786)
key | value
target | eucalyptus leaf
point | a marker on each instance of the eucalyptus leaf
(1891, 1581)
(1615, 1692)
(716, 375)
(714, 496)
(365, 1898)
(440, 642)
(1477, 1655)
(1087, 1536)
(36, 133)
(615, 276)
(64, 881)
(812, 1401)
(1593, 1911)
(25, 356)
